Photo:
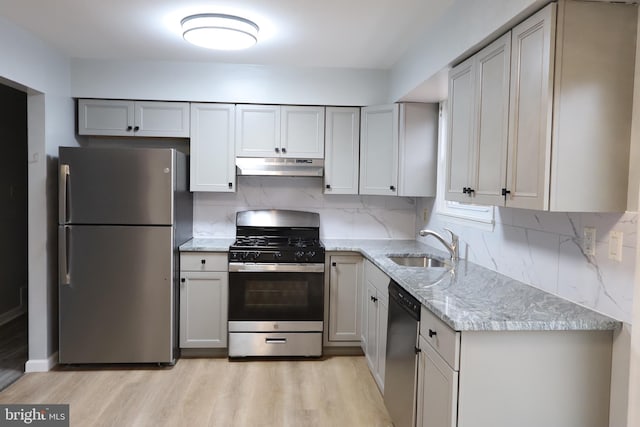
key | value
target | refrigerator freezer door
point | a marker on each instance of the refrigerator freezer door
(116, 186)
(118, 304)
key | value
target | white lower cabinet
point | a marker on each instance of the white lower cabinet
(204, 287)
(345, 289)
(512, 378)
(375, 312)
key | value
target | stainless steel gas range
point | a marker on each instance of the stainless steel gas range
(276, 284)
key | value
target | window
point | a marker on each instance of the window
(476, 215)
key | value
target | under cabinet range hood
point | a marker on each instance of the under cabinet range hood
(278, 166)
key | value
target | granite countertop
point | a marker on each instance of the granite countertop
(468, 297)
(471, 297)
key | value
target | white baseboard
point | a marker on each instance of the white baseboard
(8, 316)
(41, 365)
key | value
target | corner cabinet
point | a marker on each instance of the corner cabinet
(509, 378)
(342, 150)
(570, 103)
(279, 131)
(398, 149)
(344, 299)
(375, 310)
(105, 117)
(204, 285)
(212, 147)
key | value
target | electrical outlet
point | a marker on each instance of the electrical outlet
(615, 245)
(425, 214)
(589, 241)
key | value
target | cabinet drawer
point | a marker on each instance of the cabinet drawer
(204, 261)
(376, 277)
(442, 338)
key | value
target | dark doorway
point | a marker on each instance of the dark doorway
(13, 229)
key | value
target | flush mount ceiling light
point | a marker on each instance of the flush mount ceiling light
(219, 31)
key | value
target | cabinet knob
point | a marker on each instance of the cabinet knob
(136, 128)
(392, 188)
(183, 280)
(277, 150)
(284, 150)
(432, 333)
(333, 264)
(470, 191)
(129, 128)
(417, 350)
(328, 187)
(203, 261)
(374, 299)
(231, 185)
(505, 192)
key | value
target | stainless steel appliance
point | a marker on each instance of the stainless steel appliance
(401, 356)
(122, 215)
(276, 284)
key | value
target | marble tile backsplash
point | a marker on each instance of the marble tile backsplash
(544, 249)
(341, 216)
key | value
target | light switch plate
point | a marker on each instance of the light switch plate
(589, 241)
(615, 245)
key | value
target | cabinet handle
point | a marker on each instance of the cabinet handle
(277, 150)
(328, 187)
(417, 350)
(505, 192)
(374, 299)
(129, 128)
(203, 261)
(183, 280)
(333, 264)
(284, 150)
(432, 333)
(231, 185)
(464, 190)
(136, 128)
(470, 191)
(392, 187)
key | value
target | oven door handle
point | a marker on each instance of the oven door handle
(248, 267)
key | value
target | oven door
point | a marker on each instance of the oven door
(276, 293)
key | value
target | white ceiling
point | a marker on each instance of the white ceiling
(308, 33)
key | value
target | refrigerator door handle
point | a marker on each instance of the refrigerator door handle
(63, 201)
(63, 255)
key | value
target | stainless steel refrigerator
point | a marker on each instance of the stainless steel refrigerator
(122, 215)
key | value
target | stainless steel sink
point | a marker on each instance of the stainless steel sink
(422, 261)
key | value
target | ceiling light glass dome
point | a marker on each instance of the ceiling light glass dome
(219, 31)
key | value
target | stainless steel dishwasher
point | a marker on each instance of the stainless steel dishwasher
(402, 356)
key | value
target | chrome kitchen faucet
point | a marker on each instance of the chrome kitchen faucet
(451, 247)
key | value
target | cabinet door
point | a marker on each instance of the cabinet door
(379, 150)
(302, 132)
(161, 119)
(212, 147)
(381, 348)
(492, 95)
(342, 150)
(203, 309)
(460, 130)
(257, 130)
(345, 286)
(105, 117)
(532, 62)
(437, 394)
(371, 312)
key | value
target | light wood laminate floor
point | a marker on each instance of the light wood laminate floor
(335, 391)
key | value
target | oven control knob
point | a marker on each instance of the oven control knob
(255, 255)
(244, 255)
(299, 254)
(311, 254)
(277, 255)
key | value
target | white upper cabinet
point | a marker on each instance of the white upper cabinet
(398, 149)
(342, 149)
(212, 147)
(105, 117)
(302, 132)
(478, 125)
(379, 150)
(279, 131)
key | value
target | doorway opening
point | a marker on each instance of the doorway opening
(13, 228)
